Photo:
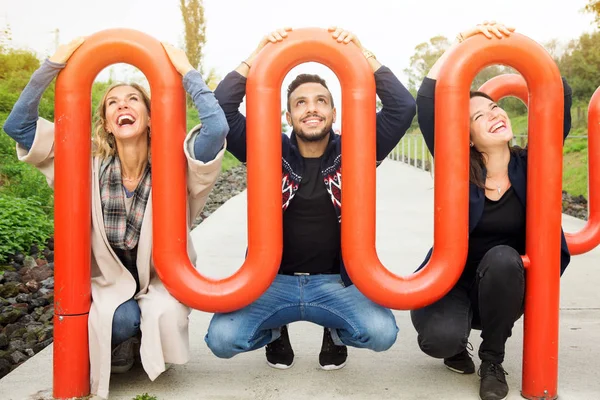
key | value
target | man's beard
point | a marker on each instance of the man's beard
(314, 137)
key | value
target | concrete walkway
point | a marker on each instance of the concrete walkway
(405, 225)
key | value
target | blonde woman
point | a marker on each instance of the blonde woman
(132, 313)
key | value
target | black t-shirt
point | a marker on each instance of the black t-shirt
(311, 231)
(502, 223)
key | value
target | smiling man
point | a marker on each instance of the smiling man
(312, 284)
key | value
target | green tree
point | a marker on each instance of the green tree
(593, 7)
(192, 12)
(580, 64)
(426, 54)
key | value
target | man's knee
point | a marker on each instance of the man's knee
(223, 337)
(380, 332)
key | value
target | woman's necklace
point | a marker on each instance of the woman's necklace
(498, 187)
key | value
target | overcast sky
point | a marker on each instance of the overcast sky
(389, 28)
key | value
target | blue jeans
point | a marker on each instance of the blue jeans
(126, 322)
(353, 319)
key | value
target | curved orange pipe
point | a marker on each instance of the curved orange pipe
(265, 240)
(72, 189)
(451, 201)
(544, 177)
(588, 237)
(506, 85)
(264, 125)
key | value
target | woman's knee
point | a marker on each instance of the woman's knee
(126, 321)
(440, 339)
(501, 260)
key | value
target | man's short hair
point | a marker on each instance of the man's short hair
(306, 78)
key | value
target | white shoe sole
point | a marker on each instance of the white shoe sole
(121, 369)
(281, 366)
(458, 371)
(332, 367)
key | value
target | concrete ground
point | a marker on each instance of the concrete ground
(405, 229)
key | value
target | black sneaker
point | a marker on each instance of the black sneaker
(123, 356)
(493, 384)
(280, 354)
(461, 363)
(332, 356)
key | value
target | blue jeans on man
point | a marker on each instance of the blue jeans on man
(353, 319)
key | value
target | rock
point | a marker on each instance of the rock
(9, 289)
(30, 352)
(46, 333)
(48, 283)
(24, 307)
(40, 346)
(38, 273)
(38, 312)
(18, 333)
(3, 302)
(47, 316)
(10, 276)
(41, 261)
(34, 250)
(17, 357)
(39, 302)
(3, 341)
(16, 345)
(32, 285)
(29, 262)
(26, 319)
(19, 258)
(49, 297)
(10, 329)
(5, 367)
(23, 298)
(45, 291)
(48, 255)
(50, 243)
(30, 338)
(10, 315)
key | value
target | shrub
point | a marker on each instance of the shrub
(22, 224)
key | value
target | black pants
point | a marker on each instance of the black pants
(492, 302)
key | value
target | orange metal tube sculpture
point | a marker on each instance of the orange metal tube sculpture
(540, 348)
(265, 239)
(451, 202)
(73, 155)
(589, 236)
(73, 181)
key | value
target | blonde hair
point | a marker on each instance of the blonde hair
(103, 142)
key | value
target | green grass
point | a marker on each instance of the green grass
(144, 396)
(229, 161)
(575, 167)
